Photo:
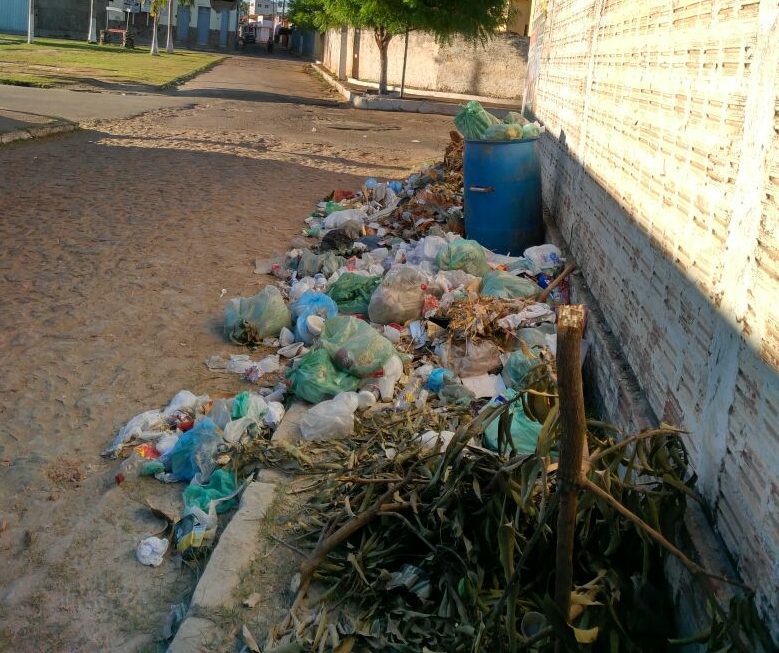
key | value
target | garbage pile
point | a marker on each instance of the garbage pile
(426, 365)
(475, 122)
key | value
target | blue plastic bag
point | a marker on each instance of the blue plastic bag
(311, 303)
(438, 378)
(193, 453)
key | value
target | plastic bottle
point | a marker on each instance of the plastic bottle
(409, 394)
(320, 282)
(391, 372)
(130, 467)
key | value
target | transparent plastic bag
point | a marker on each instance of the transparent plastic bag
(250, 319)
(330, 420)
(355, 346)
(220, 486)
(400, 297)
(316, 378)
(471, 358)
(517, 365)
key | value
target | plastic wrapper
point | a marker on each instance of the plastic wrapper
(355, 346)
(505, 285)
(400, 297)
(316, 378)
(250, 319)
(463, 254)
(352, 292)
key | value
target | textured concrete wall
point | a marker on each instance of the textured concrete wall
(496, 69)
(661, 168)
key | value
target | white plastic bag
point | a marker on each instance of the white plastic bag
(543, 257)
(151, 551)
(332, 419)
(338, 218)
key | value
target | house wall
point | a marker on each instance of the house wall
(496, 69)
(70, 19)
(660, 167)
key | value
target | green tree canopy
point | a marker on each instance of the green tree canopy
(474, 20)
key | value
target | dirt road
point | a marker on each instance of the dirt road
(119, 246)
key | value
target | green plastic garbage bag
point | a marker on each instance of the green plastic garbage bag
(355, 346)
(505, 285)
(316, 378)
(220, 485)
(463, 254)
(250, 319)
(352, 292)
(516, 367)
(473, 120)
(524, 433)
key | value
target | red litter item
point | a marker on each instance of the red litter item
(339, 195)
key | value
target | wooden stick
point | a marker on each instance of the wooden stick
(556, 282)
(309, 565)
(573, 447)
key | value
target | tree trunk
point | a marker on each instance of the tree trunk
(169, 44)
(155, 51)
(383, 38)
(573, 446)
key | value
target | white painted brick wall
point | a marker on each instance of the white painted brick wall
(661, 169)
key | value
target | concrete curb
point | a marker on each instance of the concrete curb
(370, 102)
(230, 558)
(38, 131)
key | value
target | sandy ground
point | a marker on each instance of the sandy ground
(119, 246)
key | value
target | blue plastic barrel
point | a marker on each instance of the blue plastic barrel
(502, 202)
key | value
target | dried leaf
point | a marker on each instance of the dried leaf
(587, 636)
(249, 640)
